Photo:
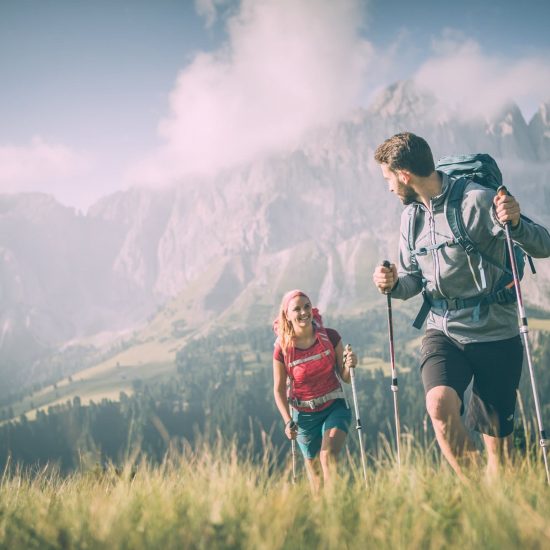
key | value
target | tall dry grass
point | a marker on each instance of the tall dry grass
(215, 498)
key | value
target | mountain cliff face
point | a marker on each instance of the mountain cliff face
(539, 128)
(318, 217)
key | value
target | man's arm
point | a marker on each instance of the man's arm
(533, 238)
(404, 281)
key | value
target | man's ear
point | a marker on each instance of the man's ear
(404, 176)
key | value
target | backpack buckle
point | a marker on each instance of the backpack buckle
(469, 248)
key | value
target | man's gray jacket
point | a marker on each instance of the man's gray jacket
(449, 273)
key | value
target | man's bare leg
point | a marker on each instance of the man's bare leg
(443, 406)
(498, 452)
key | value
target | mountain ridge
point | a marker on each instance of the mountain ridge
(319, 217)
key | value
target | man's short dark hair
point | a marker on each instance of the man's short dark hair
(406, 151)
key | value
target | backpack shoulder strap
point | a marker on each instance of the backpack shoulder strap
(322, 336)
(411, 230)
(288, 369)
(454, 215)
(458, 228)
(286, 358)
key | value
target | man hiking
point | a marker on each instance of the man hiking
(472, 323)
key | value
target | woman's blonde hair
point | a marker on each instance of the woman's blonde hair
(282, 326)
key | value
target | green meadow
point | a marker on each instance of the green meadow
(216, 498)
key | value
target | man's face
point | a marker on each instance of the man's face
(397, 185)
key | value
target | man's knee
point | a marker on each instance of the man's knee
(442, 403)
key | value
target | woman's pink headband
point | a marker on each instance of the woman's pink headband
(290, 296)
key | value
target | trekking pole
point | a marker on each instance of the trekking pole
(394, 387)
(358, 426)
(524, 331)
(293, 451)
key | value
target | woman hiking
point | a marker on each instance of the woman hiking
(309, 360)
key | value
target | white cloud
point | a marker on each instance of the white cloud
(287, 66)
(38, 165)
(476, 84)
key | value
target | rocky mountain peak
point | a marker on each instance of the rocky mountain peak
(539, 129)
(401, 99)
(319, 217)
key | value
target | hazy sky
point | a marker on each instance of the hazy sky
(96, 95)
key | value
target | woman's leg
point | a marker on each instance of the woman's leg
(313, 470)
(333, 441)
(309, 441)
(335, 429)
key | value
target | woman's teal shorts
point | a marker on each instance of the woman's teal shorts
(313, 425)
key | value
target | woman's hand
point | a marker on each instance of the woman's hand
(350, 359)
(291, 429)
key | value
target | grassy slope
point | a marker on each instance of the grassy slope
(215, 500)
(152, 356)
(151, 353)
(108, 380)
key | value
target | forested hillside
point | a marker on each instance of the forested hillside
(223, 387)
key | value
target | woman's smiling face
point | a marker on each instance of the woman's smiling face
(299, 313)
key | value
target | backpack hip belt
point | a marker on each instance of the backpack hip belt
(502, 296)
(317, 401)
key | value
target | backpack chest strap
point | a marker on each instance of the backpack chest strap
(423, 250)
(315, 357)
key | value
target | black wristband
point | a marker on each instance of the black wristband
(291, 423)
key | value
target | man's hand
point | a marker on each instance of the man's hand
(507, 209)
(385, 278)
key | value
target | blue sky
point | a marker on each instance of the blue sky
(510, 27)
(98, 95)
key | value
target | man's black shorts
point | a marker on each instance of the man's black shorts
(495, 368)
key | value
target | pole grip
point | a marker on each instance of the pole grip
(502, 191)
(387, 265)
